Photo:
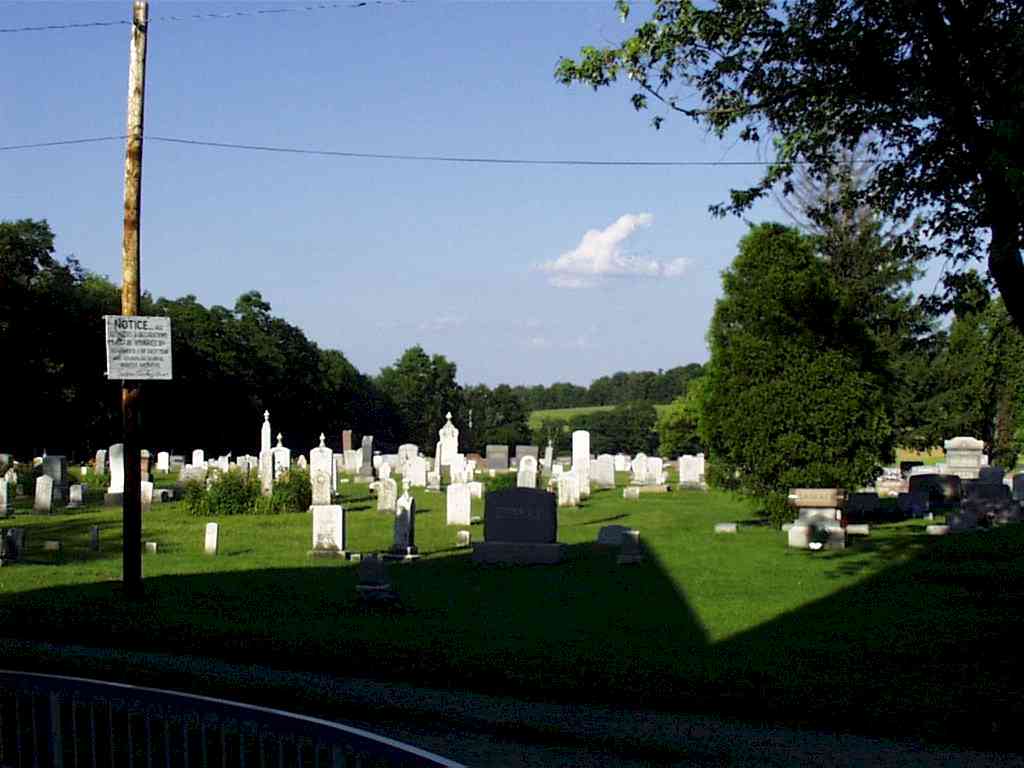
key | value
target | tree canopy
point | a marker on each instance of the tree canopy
(933, 90)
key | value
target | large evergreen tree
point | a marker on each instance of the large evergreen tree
(794, 394)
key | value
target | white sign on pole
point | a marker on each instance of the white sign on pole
(138, 348)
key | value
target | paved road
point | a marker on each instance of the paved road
(483, 730)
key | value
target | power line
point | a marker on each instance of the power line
(61, 143)
(451, 158)
(207, 16)
(465, 159)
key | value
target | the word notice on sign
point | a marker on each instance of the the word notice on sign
(138, 347)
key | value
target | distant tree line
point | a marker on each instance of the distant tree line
(619, 388)
(230, 365)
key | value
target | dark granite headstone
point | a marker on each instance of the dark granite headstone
(862, 507)
(497, 457)
(56, 468)
(366, 464)
(942, 490)
(405, 527)
(1018, 487)
(12, 544)
(520, 526)
(906, 466)
(94, 539)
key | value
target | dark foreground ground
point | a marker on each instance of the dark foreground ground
(487, 730)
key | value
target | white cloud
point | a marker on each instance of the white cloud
(600, 254)
(442, 323)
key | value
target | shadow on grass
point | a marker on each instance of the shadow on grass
(928, 646)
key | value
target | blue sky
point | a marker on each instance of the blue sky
(520, 274)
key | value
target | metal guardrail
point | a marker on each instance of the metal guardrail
(69, 722)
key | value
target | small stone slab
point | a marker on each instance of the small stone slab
(661, 488)
(611, 535)
(630, 554)
(725, 527)
(858, 529)
(937, 530)
(53, 546)
(632, 492)
(463, 538)
(151, 547)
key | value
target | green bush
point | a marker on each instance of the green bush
(196, 500)
(232, 493)
(292, 492)
(501, 482)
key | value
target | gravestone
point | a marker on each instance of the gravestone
(991, 474)
(144, 465)
(12, 545)
(604, 471)
(198, 457)
(964, 457)
(520, 527)
(146, 493)
(611, 535)
(211, 542)
(691, 470)
(656, 467)
(404, 544)
(526, 450)
(476, 489)
(266, 472)
(100, 462)
(458, 505)
(301, 463)
(862, 506)
(387, 495)
(526, 477)
(568, 485)
(641, 470)
(282, 458)
(416, 471)
(366, 459)
(621, 462)
(630, 553)
(346, 440)
(449, 441)
(549, 456)
(321, 461)
(56, 468)
(497, 457)
(43, 503)
(163, 461)
(373, 584)
(94, 538)
(726, 528)
(463, 538)
(328, 531)
(942, 490)
(74, 496)
(265, 434)
(353, 461)
(1018, 487)
(406, 453)
(6, 503)
(581, 460)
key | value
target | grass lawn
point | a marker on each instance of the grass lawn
(899, 634)
(536, 417)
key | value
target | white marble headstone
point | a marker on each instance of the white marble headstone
(458, 504)
(581, 460)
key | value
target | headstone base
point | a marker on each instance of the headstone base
(326, 553)
(405, 556)
(660, 488)
(517, 553)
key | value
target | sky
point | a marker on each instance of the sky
(520, 274)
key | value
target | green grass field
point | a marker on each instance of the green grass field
(899, 634)
(536, 417)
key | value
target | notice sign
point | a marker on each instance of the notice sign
(138, 348)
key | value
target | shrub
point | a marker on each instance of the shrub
(232, 493)
(292, 492)
(196, 501)
(501, 482)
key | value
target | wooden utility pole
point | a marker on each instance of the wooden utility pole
(131, 391)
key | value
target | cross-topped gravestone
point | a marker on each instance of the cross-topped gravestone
(282, 457)
(320, 460)
(449, 441)
(265, 433)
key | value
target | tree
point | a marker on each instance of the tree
(794, 393)
(933, 88)
(679, 426)
(499, 417)
(421, 390)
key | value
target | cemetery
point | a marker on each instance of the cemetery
(682, 599)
